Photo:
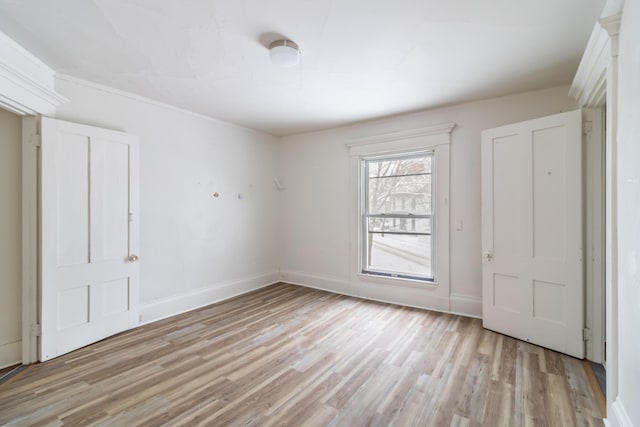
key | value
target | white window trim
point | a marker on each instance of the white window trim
(434, 138)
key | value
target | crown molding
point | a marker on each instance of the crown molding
(611, 24)
(590, 82)
(26, 83)
(589, 85)
(442, 129)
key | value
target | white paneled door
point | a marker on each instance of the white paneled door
(532, 232)
(89, 229)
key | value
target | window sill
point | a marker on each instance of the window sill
(402, 281)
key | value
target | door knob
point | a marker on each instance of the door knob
(133, 257)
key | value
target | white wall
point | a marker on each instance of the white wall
(10, 238)
(315, 203)
(195, 248)
(629, 212)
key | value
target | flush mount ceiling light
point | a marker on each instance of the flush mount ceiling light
(284, 53)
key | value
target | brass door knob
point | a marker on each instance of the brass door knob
(133, 257)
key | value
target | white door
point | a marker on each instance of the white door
(89, 230)
(532, 232)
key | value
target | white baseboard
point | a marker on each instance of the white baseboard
(10, 354)
(176, 304)
(464, 306)
(330, 284)
(166, 307)
(619, 416)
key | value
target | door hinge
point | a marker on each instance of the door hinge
(35, 140)
(586, 334)
(587, 127)
(130, 217)
(36, 330)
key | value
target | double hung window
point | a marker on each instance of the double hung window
(397, 216)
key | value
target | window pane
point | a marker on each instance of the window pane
(392, 167)
(401, 194)
(401, 254)
(399, 190)
(408, 225)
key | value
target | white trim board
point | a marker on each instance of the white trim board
(619, 416)
(466, 305)
(30, 242)
(325, 283)
(176, 304)
(441, 130)
(589, 85)
(594, 181)
(596, 85)
(336, 286)
(436, 295)
(26, 83)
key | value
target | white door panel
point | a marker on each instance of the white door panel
(89, 203)
(110, 173)
(71, 185)
(532, 231)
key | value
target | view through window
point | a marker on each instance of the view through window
(397, 216)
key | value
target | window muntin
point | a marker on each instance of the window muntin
(397, 216)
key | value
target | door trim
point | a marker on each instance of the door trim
(27, 85)
(30, 238)
(594, 193)
(596, 85)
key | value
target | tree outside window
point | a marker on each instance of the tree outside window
(398, 216)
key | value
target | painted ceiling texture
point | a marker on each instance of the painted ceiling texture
(361, 59)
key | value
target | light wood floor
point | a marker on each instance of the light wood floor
(5, 371)
(287, 355)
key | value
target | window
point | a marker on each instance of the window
(418, 272)
(397, 214)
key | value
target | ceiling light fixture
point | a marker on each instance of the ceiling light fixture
(284, 53)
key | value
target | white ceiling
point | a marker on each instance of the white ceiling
(361, 59)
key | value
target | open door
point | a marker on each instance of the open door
(89, 235)
(532, 232)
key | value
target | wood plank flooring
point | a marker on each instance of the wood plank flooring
(5, 371)
(291, 356)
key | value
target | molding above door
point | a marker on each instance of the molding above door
(589, 85)
(26, 83)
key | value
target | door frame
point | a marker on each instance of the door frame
(596, 86)
(30, 238)
(594, 216)
(27, 88)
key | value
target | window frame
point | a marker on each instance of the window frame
(365, 215)
(388, 140)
